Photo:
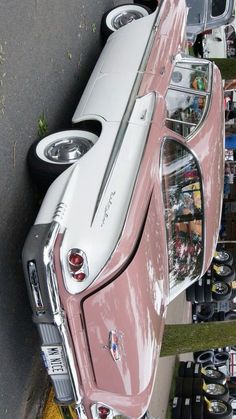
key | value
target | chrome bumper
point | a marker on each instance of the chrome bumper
(59, 316)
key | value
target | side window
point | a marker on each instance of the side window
(218, 7)
(191, 76)
(187, 97)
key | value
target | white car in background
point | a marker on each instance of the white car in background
(221, 42)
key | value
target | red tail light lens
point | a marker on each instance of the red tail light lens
(103, 412)
(75, 260)
(79, 276)
(77, 264)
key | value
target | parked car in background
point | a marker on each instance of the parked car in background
(220, 42)
(203, 15)
(133, 218)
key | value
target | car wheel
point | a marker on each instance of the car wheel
(207, 290)
(197, 370)
(179, 386)
(216, 391)
(221, 358)
(207, 356)
(49, 157)
(197, 386)
(197, 407)
(217, 409)
(176, 408)
(221, 291)
(186, 408)
(206, 312)
(181, 369)
(223, 272)
(187, 390)
(199, 291)
(211, 375)
(120, 16)
(190, 293)
(231, 315)
(222, 256)
(189, 368)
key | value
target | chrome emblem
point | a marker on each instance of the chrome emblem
(115, 344)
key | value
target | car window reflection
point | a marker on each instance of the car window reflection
(182, 193)
(187, 97)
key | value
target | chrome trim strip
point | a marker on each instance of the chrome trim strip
(188, 90)
(127, 114)
(181, 122)
(59, 315)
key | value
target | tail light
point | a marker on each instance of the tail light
(103, 412)
(77, 263)
(75, 260)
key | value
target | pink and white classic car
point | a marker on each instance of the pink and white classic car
(132, 217)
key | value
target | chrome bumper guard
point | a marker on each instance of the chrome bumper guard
(59, 316)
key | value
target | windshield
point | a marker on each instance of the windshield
(182, 193)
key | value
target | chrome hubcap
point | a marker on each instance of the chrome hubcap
(212, 373)
(68, 150)
(224, 270)
(216, 389)
(124, 18)
(220, 288)
(222, 256)
(217, 407)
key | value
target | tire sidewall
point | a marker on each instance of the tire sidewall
(221, 297)
(44, 171)
(106, 24)
(226, 278)
(45, 142)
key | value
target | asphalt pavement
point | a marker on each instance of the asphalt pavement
(47, 52)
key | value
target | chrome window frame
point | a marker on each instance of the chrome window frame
(181, 286)
(192, 61)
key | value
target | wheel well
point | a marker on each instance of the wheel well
(90, 125)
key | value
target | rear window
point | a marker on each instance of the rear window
(182, 193)
(196, 11)
(187, 97)
(218, 7)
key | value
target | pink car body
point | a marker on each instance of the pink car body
(106, 333)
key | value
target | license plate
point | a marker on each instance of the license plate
(54, 360)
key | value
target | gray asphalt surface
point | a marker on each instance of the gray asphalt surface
(47, 52)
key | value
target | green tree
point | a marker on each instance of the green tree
(183, 338)
(227, 67)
